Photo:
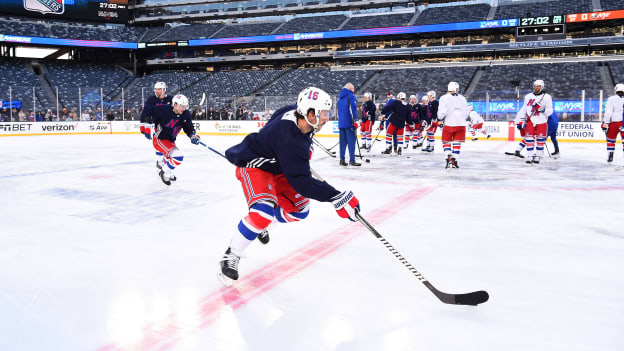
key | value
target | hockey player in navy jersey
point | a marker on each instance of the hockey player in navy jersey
(168, 121)
(273, 166)
(159, 98)
(400, 114)
(369, 111)
(412, 131)
(432, 119)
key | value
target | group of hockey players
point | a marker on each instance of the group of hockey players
(273, 165)
(418, 122)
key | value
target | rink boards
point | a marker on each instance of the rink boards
(567, 132)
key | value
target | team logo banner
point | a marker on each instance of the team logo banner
(45, 6)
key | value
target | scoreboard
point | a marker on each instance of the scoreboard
(541, 26)
(112, 11)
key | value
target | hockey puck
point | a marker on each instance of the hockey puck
(368, 160)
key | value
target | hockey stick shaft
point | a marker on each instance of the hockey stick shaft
(211, 149)
(318, 143)
(473, 298)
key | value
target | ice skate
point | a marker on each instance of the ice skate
(228, 268)
(158, 165)
(536, 159)
(388, 151)
(398, 152)
(475, 139)
(264, 237)
(454, 163)
(449, 162)
(610, 158)
(165, 178)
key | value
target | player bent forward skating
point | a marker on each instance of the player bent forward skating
(273, 166)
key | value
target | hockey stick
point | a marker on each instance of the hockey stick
(379, 132)
(318, 143)
(211, 149)
(202, 99)
(336, 144)
(472, 298)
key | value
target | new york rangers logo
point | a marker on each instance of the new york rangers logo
(45, 6)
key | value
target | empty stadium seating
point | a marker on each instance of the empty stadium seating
(378, 20)
(451, 14)
(543, 8)
(312, 24)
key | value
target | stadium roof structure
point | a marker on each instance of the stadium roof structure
(279, 8)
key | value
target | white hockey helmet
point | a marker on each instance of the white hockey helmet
(619, 87)
(402, 96)
(315, 99)
(368, 95)
(413, 97)
(160, 85)
(180, 100)
(453, 86)
(539, 83)
(425, 98)
(432, 94)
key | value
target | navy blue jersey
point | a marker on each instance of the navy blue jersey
(415, 112)
(424, 113)
(168, 123)
(400, 113)
(369, 111)
(146, 114)
(280, 147)
(433, 107)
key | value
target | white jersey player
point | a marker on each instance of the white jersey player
(475, 124)
(533, 116)
(452, 113)
(612, 123)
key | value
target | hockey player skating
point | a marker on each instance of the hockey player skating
(369, 112)
(412, 131)
(159, 98)
(533, 116)
(385, 121)
(432, 121)
(168, 121)
(273, 166)
(475, 123)
(452, 113)
(612, 123)
(400, 114)
(347, 125)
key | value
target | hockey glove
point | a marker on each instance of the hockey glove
(441, 124)
(195, 139)
(520, 126)
(424, 125)
(146, 129)
(604, 127)
(346, 205)
(381, 125)
(355, 125)
(622, 129)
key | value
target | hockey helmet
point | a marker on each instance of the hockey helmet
(368, 95)
(539, 83)
(413, 97)
(401, 96)
(453, 86)
(315, 99)
(432, 94)
(160, 85)
(618, 88)
(180, 100)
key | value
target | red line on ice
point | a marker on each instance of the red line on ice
(165, 334)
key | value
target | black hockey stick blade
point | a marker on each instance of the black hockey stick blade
(471, 299)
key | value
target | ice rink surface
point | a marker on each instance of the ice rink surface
(98, 254)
